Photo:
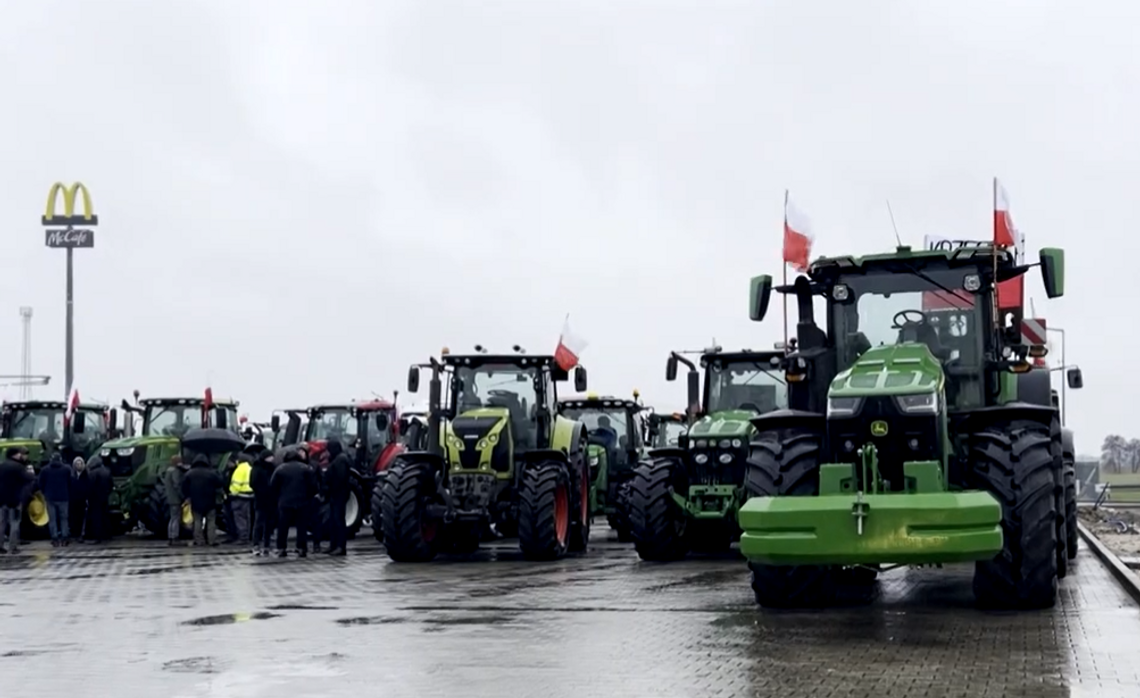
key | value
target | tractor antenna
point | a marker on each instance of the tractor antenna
(1032, 308)
(896, 228)
(518, 349)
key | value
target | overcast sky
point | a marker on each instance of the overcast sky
(297, 199)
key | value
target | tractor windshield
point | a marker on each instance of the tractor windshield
(94, 427)
(609, 426)
(669, 434)
(336, 424)
(748, 385)
(43, 424)
(500, 385)
(171, 420)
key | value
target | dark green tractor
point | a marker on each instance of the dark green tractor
(499, 455)
(616, 445)
(917, 433)
(686, 497)
(42, 427)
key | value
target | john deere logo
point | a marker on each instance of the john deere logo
(879, 428)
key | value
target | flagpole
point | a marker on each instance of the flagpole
(785, 295)
(997, 308)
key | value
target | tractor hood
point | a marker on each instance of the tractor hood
(900, 369)
(35, 448)
(135, 441)
(728, 423)
(467, 430)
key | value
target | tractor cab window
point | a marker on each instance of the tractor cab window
(94, 427)
(377, 438)
(171, 420)
(669, 434)
(231, 418)
(41, 424)
(501, 385)
(607, 427)
(745, 386)
(334, 424)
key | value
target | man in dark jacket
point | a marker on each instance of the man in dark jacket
(13, 479)
(54, 482)
(264, 504)
(336, 489)
(98, 514)
(201, 486)
(80, 493)
(172, 489)
(294, 484)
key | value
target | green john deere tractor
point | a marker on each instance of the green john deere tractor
(616, 444)
(914, 434)
(498, 454)
(138, 462)
(42, 427)
(686, 497)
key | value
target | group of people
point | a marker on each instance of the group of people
(261, 496)
(75, 496)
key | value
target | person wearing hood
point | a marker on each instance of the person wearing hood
(294, 484)
(336, 489)
(98, 506)
(54, 482)
(201, 486)
(172, 488)
(265, 506)
(80, 492)
(13, 479)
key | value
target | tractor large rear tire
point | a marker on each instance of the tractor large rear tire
(581, 516)
(154, 514)
(1014, 463)
(787, 465)
(545, 504)
(1056, 449)
(619, 519)
(657, 522)
(409, 533)
(377, 507)
(1071, 509)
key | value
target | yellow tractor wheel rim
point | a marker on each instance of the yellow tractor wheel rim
(187, 515)
(37, 510)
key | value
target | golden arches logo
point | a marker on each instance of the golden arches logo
(69, 217)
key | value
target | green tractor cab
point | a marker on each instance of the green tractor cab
(906, 441)
(498, 454)
(686, 497)
(664, 430)
(42, 427)
(138, 461)
(616, 444)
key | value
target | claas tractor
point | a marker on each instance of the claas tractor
(912, 436)
(368, 432)
(138, 461)
(499, 455)
(616, 444)
(685, 497)
(664, 430)
(43, 427)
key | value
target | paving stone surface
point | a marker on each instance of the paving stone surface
(138, 619)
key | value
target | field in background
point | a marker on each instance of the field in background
(1116, 495)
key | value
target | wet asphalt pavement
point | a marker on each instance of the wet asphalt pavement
(136, 618)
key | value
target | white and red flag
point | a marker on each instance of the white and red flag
(1011, 293)
(797, 236)
(570, 347)
(72, 404)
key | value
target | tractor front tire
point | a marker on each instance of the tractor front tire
(354, 508)
(787, 465)
(377, 510)
(409, 532)
(154, 515)
(581, 516)
(1015, 464)
(656, 521)
(545, 504)
(1071, 509)
(619, 519)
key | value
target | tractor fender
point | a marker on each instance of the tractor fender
(783, 419)
(1044, 414)
(667, 452)
(1035, 388)
(1068, 446)
(438, 465)
(387, 456)
(540, 455)
(567, 436)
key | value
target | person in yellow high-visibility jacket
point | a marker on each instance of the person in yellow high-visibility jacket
(241, 499)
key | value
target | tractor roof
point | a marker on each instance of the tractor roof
(906, 259)
(159, 401)
(49, 405)
(363, 406)
(599, 401)
(482, 359)
(743, 356)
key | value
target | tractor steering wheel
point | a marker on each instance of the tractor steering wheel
(900, 320)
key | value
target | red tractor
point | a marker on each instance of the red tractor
(369, 432)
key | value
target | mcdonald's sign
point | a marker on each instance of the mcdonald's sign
(69, 218)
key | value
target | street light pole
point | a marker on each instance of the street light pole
(1064, 382)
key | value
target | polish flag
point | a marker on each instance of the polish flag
(72, 404)
(207, 403)
(797, 236)
(570, 347)
(1005, 233)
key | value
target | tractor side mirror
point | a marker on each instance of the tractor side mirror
(694, 389)
(382, 421)
(580, 379)
(1074, 378)
(414, 379)
(113, 422)
(1053, 271)
(220, 418)
(671, 368)
(126, 405)
(759, 296)
(78, 422)
(275, 423)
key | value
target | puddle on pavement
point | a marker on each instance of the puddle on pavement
(374, 620)
(195, 665)
(230, 618)
(23, 653)
(301, 607)
(472, 620)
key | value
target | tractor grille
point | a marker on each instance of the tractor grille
(908, 438)
(125, 466)
(469, 431)
(712, 471)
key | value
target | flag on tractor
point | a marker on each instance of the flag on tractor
(72, 404)
(207, 403)
(1011, 294)
(570, 347)
(797, 236)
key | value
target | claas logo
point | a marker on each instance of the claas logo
(69, 217)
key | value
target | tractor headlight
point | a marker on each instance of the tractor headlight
(840, 292)
(972, 282)
(594, 460)
(104, 452)
(493, 438)
(725, 458)
(923, 403)
(701, 458)
(725, 443)
(702, 443)
(125, 451)
(843, 406)
(482, 444)
(737, 443)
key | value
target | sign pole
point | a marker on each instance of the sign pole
(69, 369)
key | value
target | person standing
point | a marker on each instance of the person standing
(98, 505)
(265, 506)
(241, 498)
(13, 479)
(201, 486)
(317, 506)
(336, 490)
(294, 485)
(172, 488)
(80, 491)
(54, 482)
